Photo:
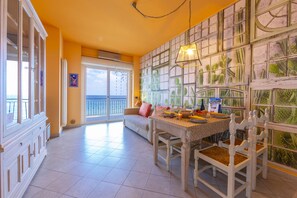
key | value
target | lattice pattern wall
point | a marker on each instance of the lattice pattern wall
(248, 61)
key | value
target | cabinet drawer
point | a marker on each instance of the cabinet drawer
(15, 148)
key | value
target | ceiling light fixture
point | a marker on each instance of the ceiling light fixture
(189, 51)
(134, 5)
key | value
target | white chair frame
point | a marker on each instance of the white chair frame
(169, 149)
(263, 136)
(256, 154)
(231, 169)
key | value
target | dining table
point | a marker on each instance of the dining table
(188, 132)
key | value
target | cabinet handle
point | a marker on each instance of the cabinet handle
(21, 143)
(39, 127)
(31, 154)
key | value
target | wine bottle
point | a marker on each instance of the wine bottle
(220, 109)
(202, 105)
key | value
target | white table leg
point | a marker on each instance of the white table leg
(185, 160)
(155, 142)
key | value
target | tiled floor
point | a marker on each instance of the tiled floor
(105, 160)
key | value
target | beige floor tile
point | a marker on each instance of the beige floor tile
(65, 196)
(129, 192)
(82, 188)
(105, 190)
(142, 166)
(46, 194)
(31, 191)
(44, 177)
(116, 176)
(136, 179)
(126, 164)
(158, 184)
(80, 169)
(149, 194)
(94, 159)
(63, 183)
(110, 161)
(98, 172)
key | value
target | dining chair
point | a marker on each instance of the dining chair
(259, 147)
(167, 140)
(228, 161)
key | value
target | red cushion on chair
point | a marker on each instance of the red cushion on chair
(145, 109)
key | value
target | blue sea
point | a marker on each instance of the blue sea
(96, 105)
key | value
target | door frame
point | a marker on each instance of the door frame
(84, 86)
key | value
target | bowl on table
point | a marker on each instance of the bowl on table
(185, 113)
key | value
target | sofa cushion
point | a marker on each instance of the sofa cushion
(141, 121)
(145, 109)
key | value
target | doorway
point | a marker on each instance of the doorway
(106, 94)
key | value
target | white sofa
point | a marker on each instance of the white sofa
(139, 124)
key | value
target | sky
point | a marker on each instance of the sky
(12, 79)
(97, 82)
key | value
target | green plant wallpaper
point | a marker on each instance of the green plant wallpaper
(248, 58)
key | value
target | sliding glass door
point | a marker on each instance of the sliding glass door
(106, 94)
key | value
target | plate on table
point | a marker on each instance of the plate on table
(219, 115)
(168, 114)
(198, 121)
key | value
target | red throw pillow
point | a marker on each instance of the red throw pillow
(145, 109)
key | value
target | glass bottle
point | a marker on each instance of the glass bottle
(202, 105)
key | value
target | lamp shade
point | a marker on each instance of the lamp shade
(187, 53)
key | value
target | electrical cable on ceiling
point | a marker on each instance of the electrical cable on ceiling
(134, 5)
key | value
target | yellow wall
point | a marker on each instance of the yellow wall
(54, 53)
(72, 53)
(136, 79)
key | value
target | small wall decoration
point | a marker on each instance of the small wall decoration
(73, 80)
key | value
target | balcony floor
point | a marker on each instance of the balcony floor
(105, 160)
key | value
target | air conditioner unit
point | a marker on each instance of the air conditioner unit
(109, 55)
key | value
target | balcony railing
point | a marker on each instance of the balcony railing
(12, 108)
(97, 105)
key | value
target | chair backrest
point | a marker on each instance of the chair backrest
(233, 127)
(264, 119)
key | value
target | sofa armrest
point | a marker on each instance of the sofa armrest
(131, 111)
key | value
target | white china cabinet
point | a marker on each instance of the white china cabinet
(22, 96)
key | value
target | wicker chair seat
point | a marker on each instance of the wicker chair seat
(221, 155)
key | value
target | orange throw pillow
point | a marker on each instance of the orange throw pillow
(145, 109)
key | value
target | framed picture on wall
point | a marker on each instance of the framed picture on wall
(73, 80)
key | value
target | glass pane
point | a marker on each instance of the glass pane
(118, 93)
(96, 94)
(36, 72)
(12, 62)
(285, 115)
(286, 97)
(42, 48)
(283, 156)
(285, 140)
(25, 66)
(261, 97)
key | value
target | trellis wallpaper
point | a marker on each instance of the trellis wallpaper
(248, 53)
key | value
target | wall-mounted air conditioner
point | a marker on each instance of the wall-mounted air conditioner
(109, 55)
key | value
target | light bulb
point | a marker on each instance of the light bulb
(190, 51)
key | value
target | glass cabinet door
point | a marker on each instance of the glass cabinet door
(12, 62)
(36, 72)
(42, 73)
(25, 66)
